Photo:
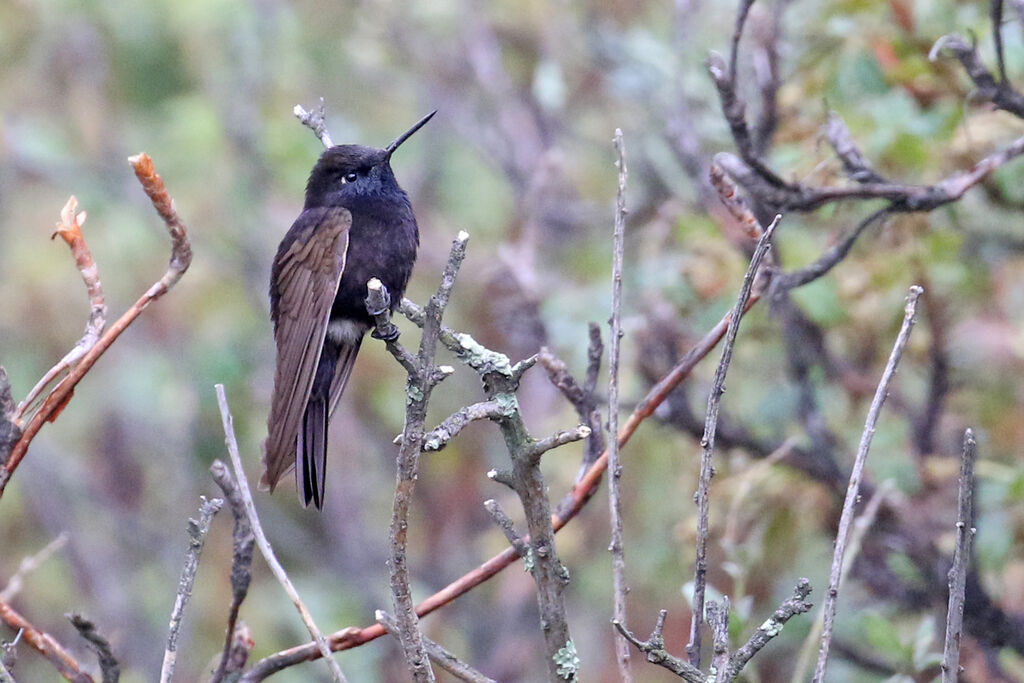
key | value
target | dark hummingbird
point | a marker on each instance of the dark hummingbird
(356, 224)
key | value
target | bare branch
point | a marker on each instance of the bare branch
(420, 384)
(563, 437)
(769, 629)
(439, 437)
(181, 257)
(961, 557)
(853, 490)
(197, 531)
(243, 541)
(30, 564)
(718, 620)
(315, 121)
(439, 655)
(45, 644)
(708, 441)
(109, 667)
(70, 230)
(654, 648)
(619, 586)
(261, 538)
(508, 528)
(855, 164)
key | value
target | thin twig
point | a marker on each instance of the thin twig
(507, 527)
(45, 644)
(109, 667)
(261, 539)
(654, 648)
(853, 490)
(439, 655)
(243, 541)
(615, 547)
(708, 441)
(181, 257)
(718, 620)
(315, 120)
(864, 522)
(30, 564)
(769, 629)
(197, 531)
(70, 230)
(961, 557)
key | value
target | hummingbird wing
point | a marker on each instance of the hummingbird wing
(304, 281)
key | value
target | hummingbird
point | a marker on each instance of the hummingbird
(357, 223)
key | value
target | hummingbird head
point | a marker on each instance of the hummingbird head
(346, 172)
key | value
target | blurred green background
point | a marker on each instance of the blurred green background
(529, 94)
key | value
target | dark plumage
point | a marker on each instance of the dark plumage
(357, 224)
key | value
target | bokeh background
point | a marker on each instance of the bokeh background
(529, 94)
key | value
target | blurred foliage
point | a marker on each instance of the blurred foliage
(520, 156)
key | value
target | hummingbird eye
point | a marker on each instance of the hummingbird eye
(350, 177)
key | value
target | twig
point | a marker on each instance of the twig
(70, 230)
(619, 585)
(438, 654)
(987, 89)
(830, 258)
(439, 437)
(853, 490)
(961, 557)
(197, 531)
(45, 644)
(654, 648)
(864, 522)
(315, 121)
(718, 620)
(261, 539)
(181, 257)
(507, 527)
(243, 540)
(580, 495)
(708, 442)
(109, 667)
(769, 629)
(30, 564)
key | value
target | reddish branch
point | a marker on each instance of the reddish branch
(45, 644)
(181, 257)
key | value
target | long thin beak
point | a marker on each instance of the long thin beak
(408, 134)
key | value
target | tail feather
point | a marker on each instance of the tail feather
(332, 373)
(311, 460)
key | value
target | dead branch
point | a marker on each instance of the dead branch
(45, 644)
(853, 491)
(181, 257)
(961, 557)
